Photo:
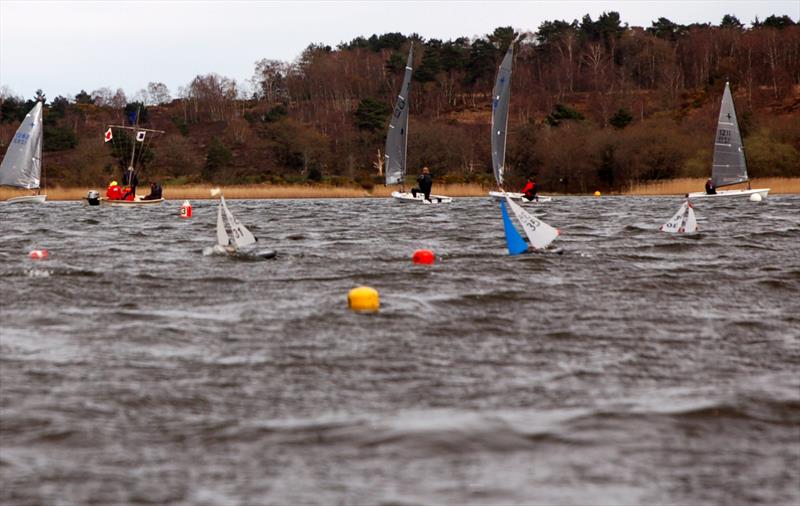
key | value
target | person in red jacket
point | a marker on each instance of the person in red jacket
(529, 192)
(114, 192)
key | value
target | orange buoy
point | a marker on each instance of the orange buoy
(38, 254)
(423, 256)
(186, 209)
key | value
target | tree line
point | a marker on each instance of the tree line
(595, 104)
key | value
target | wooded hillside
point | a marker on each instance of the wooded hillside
(594, 104)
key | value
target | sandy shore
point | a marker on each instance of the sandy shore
(265, 191)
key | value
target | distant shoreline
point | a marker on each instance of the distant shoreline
(269, 191)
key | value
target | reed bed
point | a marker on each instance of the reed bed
(262, 191)
(778, 185)
(683, 186)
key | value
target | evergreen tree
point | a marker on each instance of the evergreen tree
(371, 114)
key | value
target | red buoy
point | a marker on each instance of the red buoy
(423, 256)
(38, 254)
(186, 209)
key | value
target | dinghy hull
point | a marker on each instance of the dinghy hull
(408, 198)
(130, 203)
(28, 199)
(729, 193)
(518, 197)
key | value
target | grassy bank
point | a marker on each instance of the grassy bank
(265, 191)
(777, 185)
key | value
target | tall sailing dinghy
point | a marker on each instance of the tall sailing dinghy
(730, 163)
(539, 233)
(22, 164)
(397, 144)
(501, 98)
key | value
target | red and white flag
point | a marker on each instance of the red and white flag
(109, 136)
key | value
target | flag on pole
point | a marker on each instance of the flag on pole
(140, 136)
(109, 136)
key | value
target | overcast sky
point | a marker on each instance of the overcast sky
(65, 46)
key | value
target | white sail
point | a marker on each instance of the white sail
(241, 236)
(222, 234)
(501, 96)
(397, 137)
(730, 166)
(539, 233)
(683, 222)
(22, 164)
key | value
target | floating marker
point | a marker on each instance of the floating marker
(363, 298)
(38, 254)
(756, 197)
(186, 209)
(597, 193)
(423, 256)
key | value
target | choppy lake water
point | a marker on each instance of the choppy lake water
(634, 368)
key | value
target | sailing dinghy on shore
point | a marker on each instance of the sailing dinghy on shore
(240, 242)
(397, 145)
(730, 164)
(22, 163)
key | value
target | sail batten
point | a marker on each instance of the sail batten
(729, 165)
(22, 164)
(397, 136)
(500, 103)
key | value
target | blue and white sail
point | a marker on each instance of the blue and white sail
(515, 243)
(730, 165)
(683, 222)
(397, 137)
(22, 164)
(501, 96)
(539, 233)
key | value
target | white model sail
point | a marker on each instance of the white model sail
(22, 164)
(539, 233)
(501, 96)
(222, 234)
(397, 137)
(730, 166)
(241, 236)
(683, 222)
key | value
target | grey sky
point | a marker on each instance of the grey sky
(65, 46)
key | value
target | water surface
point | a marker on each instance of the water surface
(634, 368)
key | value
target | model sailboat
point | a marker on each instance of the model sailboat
(501, 97)
(539, 233)
(22, 164)
(730, 164)
(683, 222)
(240, 241)
(397, 145)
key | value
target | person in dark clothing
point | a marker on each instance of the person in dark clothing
(424, 183)
(710, 188)
(155, 192)
(529, 192)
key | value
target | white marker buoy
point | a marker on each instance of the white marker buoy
(756, 197)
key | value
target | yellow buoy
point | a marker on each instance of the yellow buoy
(363, 298)
(597, 193)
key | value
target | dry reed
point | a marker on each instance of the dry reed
(265, 191)
(777, 185)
